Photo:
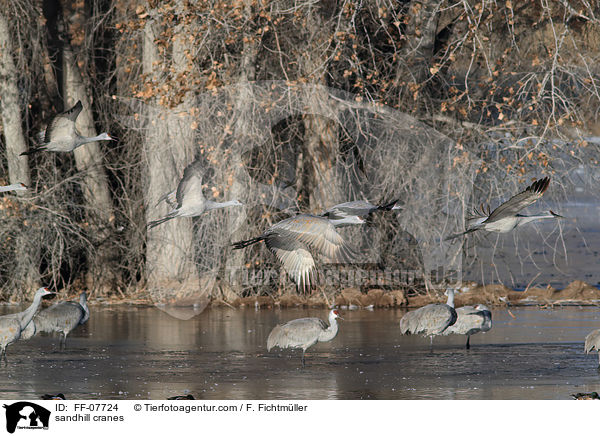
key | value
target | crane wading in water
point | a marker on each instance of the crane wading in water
(505, 217)
(13, 324)
(290, 240)
(61, 134)
(303, 333)
(430, 320)
(592, 341)
(471, 320)
(62, 317)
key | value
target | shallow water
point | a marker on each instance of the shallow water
(141, 352)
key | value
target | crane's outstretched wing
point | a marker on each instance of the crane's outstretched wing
(316, 232)
(190, 185)
(296, 259)
(63, 124)
(520, 201)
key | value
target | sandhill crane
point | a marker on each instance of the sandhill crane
(505, 217)
(303, 333)
(592, 340)
(11, 325)
(61, 134)
(13, 187)
(430, 320)
(290, 240)
(352, 212)
(471, 320)
(189, 197)
(62, 317)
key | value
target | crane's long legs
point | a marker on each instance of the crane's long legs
(303, 359)
(468, 340)
(63, 341)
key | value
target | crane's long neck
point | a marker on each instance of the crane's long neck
(450, 301)
(215, 205)
(12, 187)
(84, 306)
(329, 333)
(529, 218)
(27, 314)
(85, 139)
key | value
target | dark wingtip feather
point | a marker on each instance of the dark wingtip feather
(539, 186)
(241, 244)
(32, 151)
(389, 205)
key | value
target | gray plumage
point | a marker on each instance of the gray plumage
(470, 320)
(62, 317)
(303, 333)
(353, 212)
(291, 240)
(189, 200)
(592, 341)
(61, 134)
(505, 217)
(13, 187)
(430, 320)
(13, 324)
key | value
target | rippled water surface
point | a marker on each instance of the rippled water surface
(141, 352)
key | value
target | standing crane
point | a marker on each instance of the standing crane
(62, 317)
(592, 341)
(303, 333)
(352, 212)
(13, 324)
(290, 240)
(430, 320)
(189, 200)
(61, 134)
(505, 217)
(471, 320)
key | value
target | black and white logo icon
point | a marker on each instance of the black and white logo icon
(26, 415)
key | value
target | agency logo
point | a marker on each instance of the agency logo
(26, 415)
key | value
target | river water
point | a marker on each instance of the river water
(129, 352)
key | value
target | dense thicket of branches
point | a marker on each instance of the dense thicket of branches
(290, 106)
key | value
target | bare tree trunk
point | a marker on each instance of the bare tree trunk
(320, 151)
(421, 32)
(18, 166)
(169, 148)
(242, 134)
(101, 276)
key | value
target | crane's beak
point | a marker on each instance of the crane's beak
(555, 215)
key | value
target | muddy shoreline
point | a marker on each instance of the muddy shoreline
(577, 293)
